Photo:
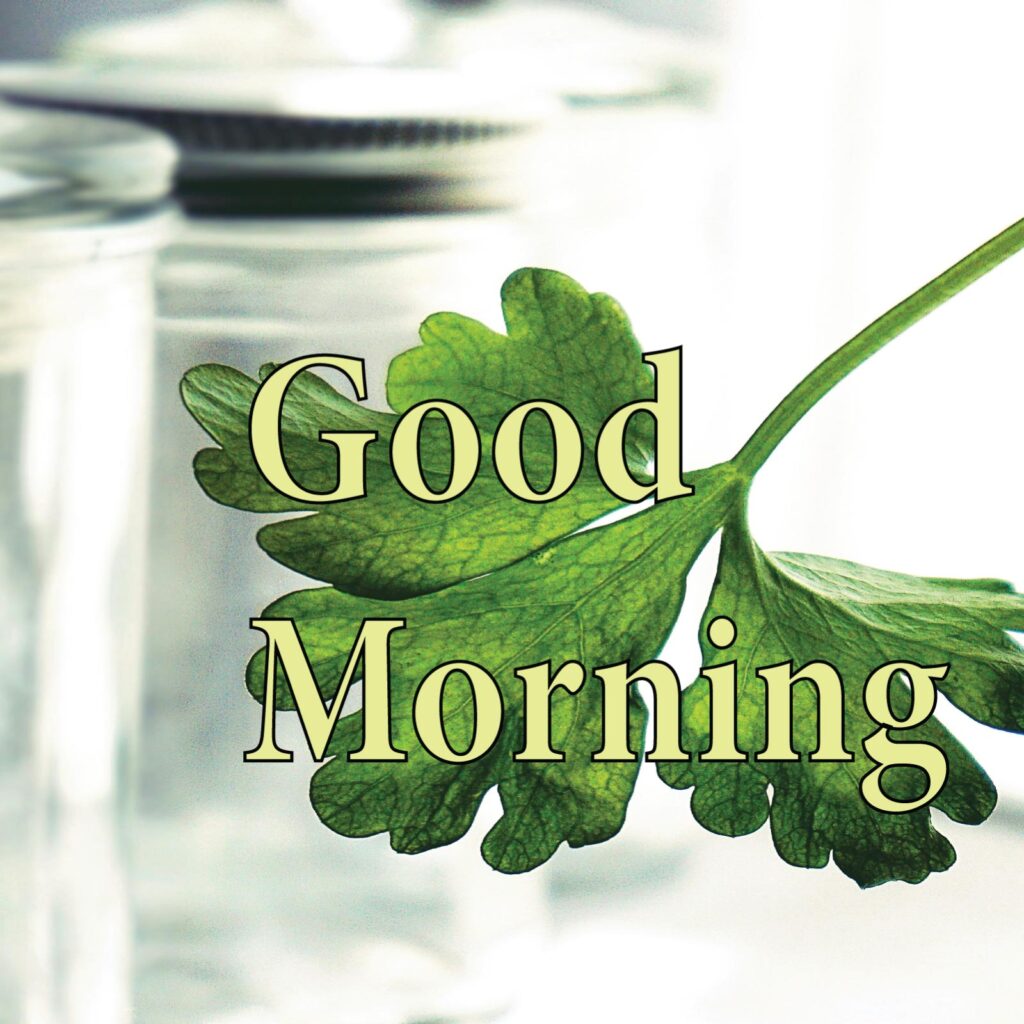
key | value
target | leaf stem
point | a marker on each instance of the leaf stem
(827, 374)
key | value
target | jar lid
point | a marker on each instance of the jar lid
(75, 187)
(310, 140)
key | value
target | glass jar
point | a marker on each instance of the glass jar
(234, 917)
(80, 221)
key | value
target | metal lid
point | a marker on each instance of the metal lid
(356, 138)
(75, 187)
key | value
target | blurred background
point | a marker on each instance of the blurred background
(753, 181)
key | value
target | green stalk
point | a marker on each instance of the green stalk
(826, 375)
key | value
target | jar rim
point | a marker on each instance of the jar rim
(94, 235)
(75, 187)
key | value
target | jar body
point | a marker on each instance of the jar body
(75, 367)
(248, 905)
(18, 597)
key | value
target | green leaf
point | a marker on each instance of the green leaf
(603, 596)
(803, 608)
(564, 345)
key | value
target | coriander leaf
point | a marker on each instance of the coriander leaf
(604, 595)
(389, 544)
(564, 344)
(600, 597)
(803, 608)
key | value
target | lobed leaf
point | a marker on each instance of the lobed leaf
(594, 597)
(563, 344)
(509, 584)
(803, 608)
